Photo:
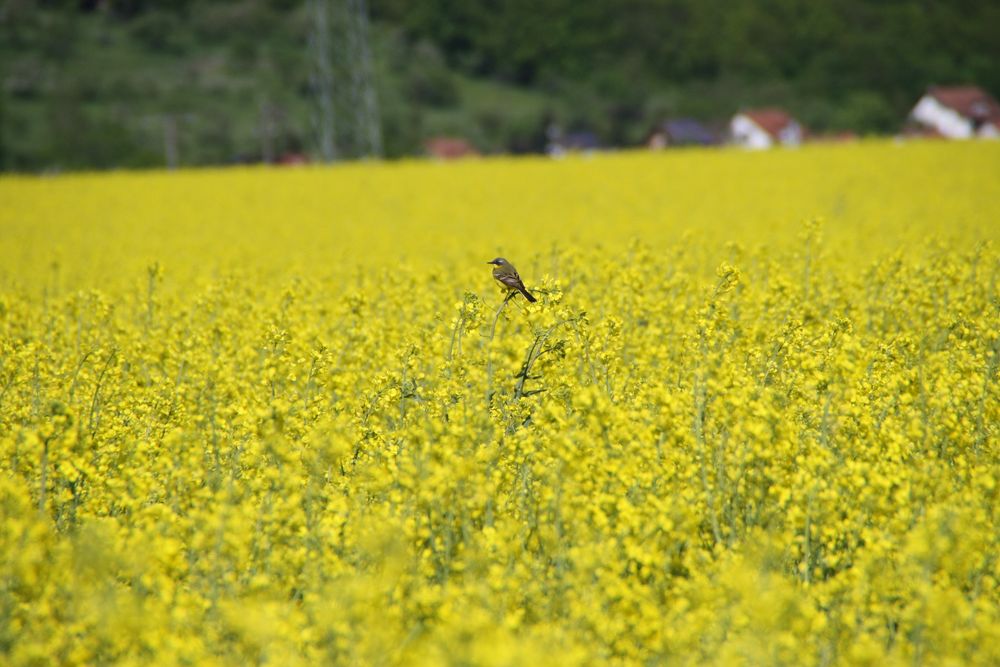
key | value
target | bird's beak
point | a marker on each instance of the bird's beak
(489, 262)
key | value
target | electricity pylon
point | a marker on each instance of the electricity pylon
(321, 78)
(365, 100)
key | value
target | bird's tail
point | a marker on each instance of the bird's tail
(527, 295)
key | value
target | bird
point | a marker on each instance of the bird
(505, 274)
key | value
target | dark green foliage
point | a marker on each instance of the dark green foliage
(832, 45)
(429, 82)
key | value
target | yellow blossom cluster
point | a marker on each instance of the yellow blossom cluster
(284, 417)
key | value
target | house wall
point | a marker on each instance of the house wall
(989, 131)
(747, 133)
(947, 121)
(791, 134)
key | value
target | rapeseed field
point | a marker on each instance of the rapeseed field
(282, 417)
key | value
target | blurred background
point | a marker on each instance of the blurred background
(93, 84)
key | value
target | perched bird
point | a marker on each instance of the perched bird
(505, 274)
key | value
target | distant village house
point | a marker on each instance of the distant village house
(763, 128)
(958, 112)
(560, 144)
(449, 148)
(680, 132)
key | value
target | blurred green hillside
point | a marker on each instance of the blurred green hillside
(102, 84)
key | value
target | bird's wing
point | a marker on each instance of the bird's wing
(511, 280)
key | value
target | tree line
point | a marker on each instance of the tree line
(106, 83)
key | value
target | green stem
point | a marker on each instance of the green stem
(489, 352)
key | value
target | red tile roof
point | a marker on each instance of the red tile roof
(772, 121)
(970, 101)
(448, 148)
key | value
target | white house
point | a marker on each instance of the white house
(763, 128)
(958, 112)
